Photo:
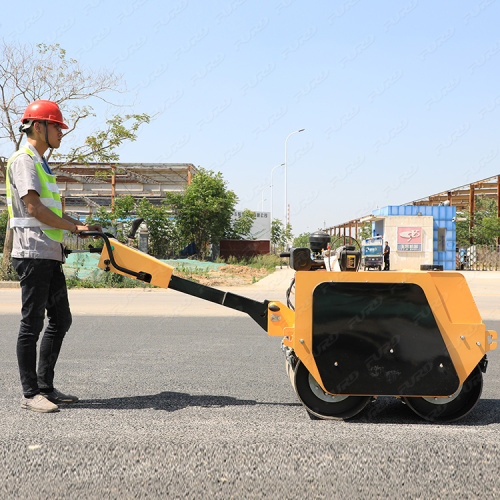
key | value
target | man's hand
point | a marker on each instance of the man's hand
(90, 227)
(95, 227)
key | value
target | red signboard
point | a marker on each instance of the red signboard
(409, 235)
(409, 239)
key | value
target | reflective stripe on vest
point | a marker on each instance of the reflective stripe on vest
(49, 196)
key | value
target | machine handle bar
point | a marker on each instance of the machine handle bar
(105, 236)
(255, 309)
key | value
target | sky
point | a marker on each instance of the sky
(398, 99)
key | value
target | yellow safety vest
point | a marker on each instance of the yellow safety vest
(49, 196)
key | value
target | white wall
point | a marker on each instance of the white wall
(261, 228)
(409, 260)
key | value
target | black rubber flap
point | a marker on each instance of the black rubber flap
(379, 339)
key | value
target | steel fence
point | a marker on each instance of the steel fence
(479, 258)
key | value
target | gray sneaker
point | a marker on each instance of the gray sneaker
(39, 403)
(58, 397)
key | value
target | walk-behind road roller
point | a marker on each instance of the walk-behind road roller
(352, 336)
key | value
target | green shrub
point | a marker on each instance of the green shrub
(268, 261)
(8, 274)
(192, 272)
(101, 279)
(4, 218)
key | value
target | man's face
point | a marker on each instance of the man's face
(55, 134)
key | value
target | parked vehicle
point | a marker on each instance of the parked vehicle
(372, 253)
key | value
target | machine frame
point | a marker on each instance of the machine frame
(354, 336)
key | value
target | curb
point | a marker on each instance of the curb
(10, 284)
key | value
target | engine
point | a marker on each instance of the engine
(321, 255)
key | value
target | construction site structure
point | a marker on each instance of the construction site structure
(462, 197)
(86, 187)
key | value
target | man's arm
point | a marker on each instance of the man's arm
(83, 227)
(38, 210)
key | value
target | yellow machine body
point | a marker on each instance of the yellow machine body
(137, 261)
(353, 336)
(447, 293)
(453, 332)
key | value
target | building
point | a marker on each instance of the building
(433, 216)
(418, 235)
(84, 188)
(463, 198)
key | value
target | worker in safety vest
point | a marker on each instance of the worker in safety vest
(37, 220)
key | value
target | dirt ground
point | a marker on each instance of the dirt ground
(227, 275)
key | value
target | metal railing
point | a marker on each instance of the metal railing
(479, 258)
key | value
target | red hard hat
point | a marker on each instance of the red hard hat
(44, 110)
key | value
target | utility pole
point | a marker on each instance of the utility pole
(113, 186)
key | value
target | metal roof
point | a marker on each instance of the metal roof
(85, 187)
(461, 197)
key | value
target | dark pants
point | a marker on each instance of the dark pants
(386, 264)
(43, 287)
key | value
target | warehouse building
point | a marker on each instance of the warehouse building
(84, 188)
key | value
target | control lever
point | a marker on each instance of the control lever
(135, 226)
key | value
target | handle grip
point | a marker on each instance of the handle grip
(135, 226)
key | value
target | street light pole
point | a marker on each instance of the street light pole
(280, 165)
(286, 201)
(262, 206)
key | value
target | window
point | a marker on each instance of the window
(441, 239)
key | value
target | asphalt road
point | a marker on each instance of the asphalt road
(180, 399)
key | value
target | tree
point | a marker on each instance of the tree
(164, 239)
(463, 229)
(280, 236)
(486, 225)
(242, 226)
(366, 231)
(203, 211)
(101, 147)
(302, 240)
(288, 234)
(277, 232)
(29, 73)
(118, 219)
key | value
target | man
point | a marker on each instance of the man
(387, 253)
(36, 217)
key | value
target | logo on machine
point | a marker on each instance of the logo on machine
(409, 239)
